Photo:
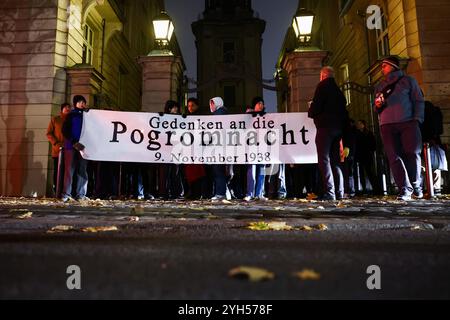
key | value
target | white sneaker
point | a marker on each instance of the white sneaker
(217, 198)
(248, 198)
(262, 198)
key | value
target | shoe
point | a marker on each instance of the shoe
(140, 197)
(218, 198)
(149, 197)
(281, 196)
(404, 197)
(67, 199)
(83, 199)
(262, 198)
(248, 198)
(418, 194)
(327, 197)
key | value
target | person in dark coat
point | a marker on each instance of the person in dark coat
(331, 118)
(216, 107)
(365, 148)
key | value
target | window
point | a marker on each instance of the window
(228, 52)
(344, 6)
(383, 38)
(229, 95)
(345, 76)
(88, 45)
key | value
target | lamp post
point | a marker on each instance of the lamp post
(302, 24)
(163, 29)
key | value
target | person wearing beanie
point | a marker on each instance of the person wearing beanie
(399, 103)
(74, 164)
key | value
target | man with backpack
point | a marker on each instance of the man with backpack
(400, 106)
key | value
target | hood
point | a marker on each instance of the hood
(218, 102)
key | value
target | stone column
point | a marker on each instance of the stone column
(86, 81)
(161, 80)
(303, 69)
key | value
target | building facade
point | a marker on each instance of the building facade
(228, 41)
(414, 30)
(51, 50)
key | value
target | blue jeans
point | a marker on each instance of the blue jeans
(74, 164)
(255, 180)
(403, 144)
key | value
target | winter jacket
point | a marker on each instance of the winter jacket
(405, 103)
(328, 106)
(54, 134)
(72, 128)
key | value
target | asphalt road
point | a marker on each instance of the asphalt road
(186, 250)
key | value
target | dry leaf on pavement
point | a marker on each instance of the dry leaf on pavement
(253, 274)
(26, 215)
(60, 228)
(99, 229)
(307, 274)
(305, 228)
(274, 225)
(322, 227)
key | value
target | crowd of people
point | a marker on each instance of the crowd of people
(345, 148)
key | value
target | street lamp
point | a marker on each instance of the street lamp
(163, 28)
(302, 24)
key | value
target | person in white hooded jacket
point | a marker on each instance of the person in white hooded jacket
(220, 183)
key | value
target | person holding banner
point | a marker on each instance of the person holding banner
(218, 170)
(56, 138)
(328, 110)
(73, 161)
(194, 173)
(255, 172)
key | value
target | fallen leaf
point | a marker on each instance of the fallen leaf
(99, 229)
(305, 228)
(133, 219)
(260, 226)
(307, 274)
(322, 227)
(403, 213)
(264, 226)
(311, 196)
(341, 205)
(226, 201)
(26, 215)
(61, 228)
(253, 274)
(320, 208)
(416, 228)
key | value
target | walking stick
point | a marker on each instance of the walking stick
(60, 174)
(428, 170)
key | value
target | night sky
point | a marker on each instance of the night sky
(277, 14)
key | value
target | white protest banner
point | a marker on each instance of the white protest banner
(216, 139)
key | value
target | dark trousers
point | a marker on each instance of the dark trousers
(328, 153)
(403, 144)
(220, 182)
